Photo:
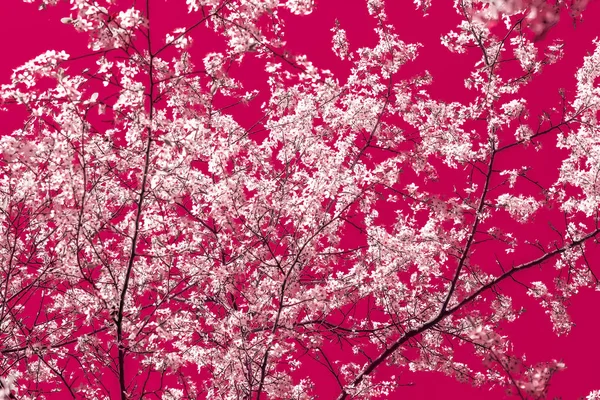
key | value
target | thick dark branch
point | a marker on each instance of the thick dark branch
(449, 311)
(466, 250)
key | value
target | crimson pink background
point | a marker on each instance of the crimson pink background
(26, 32)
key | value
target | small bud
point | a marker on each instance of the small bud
(66, 20)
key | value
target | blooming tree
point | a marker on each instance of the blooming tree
(155, 247)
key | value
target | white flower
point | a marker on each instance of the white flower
(594, 395)
(519, 207)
